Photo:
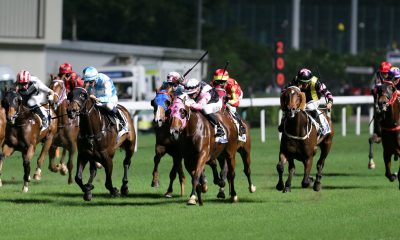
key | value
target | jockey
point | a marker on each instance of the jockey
(72, 79)
(313, 89)
(101, 88)
(379, 76)
(231, 93)
(204, 98)
(394, 75)
(174, 82)
(34, 94)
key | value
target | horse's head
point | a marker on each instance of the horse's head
(77, 102)
(387, 95)
(60, 92)
(160, 106)
(179, 117)
(292, 101)
(11, 103)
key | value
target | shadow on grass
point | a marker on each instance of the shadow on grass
(27, 201)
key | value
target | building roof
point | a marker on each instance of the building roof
(126, 49)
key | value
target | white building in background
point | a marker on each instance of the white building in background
(26, 27)
(31, 39)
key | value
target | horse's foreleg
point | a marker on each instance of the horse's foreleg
(373, 139)
(45, 149)
(280, 168)
(388, 163)
(176, 168)
(231, 163)
(291, 169)
(223, 175)
(196, 173)
(52, 156)
(305, 183)
(1, 166)
(81, 163)
(108, 168)
(245, 155)
(6, 152)
(63, 168)
(127, 164)
(325, 149)
(70, 164)
(27, 156)
(160, 152)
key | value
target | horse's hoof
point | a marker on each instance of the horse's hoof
(114, 192)
(204, 188)
(305, 184)
(24, 189)
(317, 186)
(37, 177)
(192, 200)
(99, 166)
(124, 191)
(287, 189)
(234, 199)
(87, 196)
(392, 177)
(63, 170)
(168, 195)
(279, 186)
(252, 188)
(70, 181)
(221, 194)
(155, 184)
(371, 164)
(1, 183)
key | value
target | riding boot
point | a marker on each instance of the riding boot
(120, 118)
(314, 114)
(213, 120)
(242, 129)
(45, 122)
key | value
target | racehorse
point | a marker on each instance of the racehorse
(389, 106)
(164, 143)
(98, 140)
(23, 134)
(299, 141)
(198, 145)
(67, 131)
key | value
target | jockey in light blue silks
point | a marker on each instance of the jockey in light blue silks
(101, 88)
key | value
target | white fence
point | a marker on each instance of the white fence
(265, 102)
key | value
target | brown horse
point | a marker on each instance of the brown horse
(23, 134)
(198, 145)
(299, 141)
(98, 140)
(164, 143)
(389, 106)
(67, 131)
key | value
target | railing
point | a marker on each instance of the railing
(265, 102)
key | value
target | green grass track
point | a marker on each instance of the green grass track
(354, 203)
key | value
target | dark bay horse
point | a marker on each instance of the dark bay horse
(67, 131)
(198, 145)
(389, 105)
(98, 140)
(164, 143)
(23, 134)
(299, 141)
